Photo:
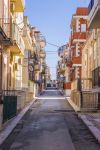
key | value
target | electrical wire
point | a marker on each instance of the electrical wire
(52, 44)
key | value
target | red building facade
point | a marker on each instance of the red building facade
(79, 29)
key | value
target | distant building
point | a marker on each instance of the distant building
(63, 70)
(22, 59)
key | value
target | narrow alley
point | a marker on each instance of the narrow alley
(50, 124)
(50, 75)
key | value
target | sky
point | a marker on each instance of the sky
(53, 18)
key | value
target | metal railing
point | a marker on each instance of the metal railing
(26, 33)
(86, 100)
(12, 31)
(96, 77)
(17, 36)
(6, 26)
(84, 84)
(90, 100)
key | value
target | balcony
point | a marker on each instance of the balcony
(39, 38)
(26, 34)
(94, 14)
(79, 36)
(18, 43)
(60, 54)
(10, 34)
(17, 5)
(61, 50)
(31, 72)
(5, 30)
(62, 69)
(43, 72)
(42, 41)
(42, 54)
(68, 62)
(76, 61)
(37, 67)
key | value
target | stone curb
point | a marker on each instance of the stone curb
(76, 109)
(10, 126)
(93, 129)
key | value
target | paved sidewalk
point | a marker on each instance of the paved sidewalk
(6, 131)
(91, 120)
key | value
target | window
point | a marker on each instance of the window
(83, 28)
(96, 77)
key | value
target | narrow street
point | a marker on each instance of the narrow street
(50, 124)
(49, 75)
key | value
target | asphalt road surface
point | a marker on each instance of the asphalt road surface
(50, 124)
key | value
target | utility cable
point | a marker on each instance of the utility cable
(52, 44)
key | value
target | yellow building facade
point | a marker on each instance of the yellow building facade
(11, 22)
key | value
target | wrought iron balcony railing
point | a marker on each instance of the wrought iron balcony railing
(17, 36)
(12, 32)
(6, 26)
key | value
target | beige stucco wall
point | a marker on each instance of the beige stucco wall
(87, 63)
(25, 73)
(91, 55)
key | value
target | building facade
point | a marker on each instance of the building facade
(79, 28)
(86, 89)
(22, 59)
(63, 70)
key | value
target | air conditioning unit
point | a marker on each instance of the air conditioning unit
(12, 7)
